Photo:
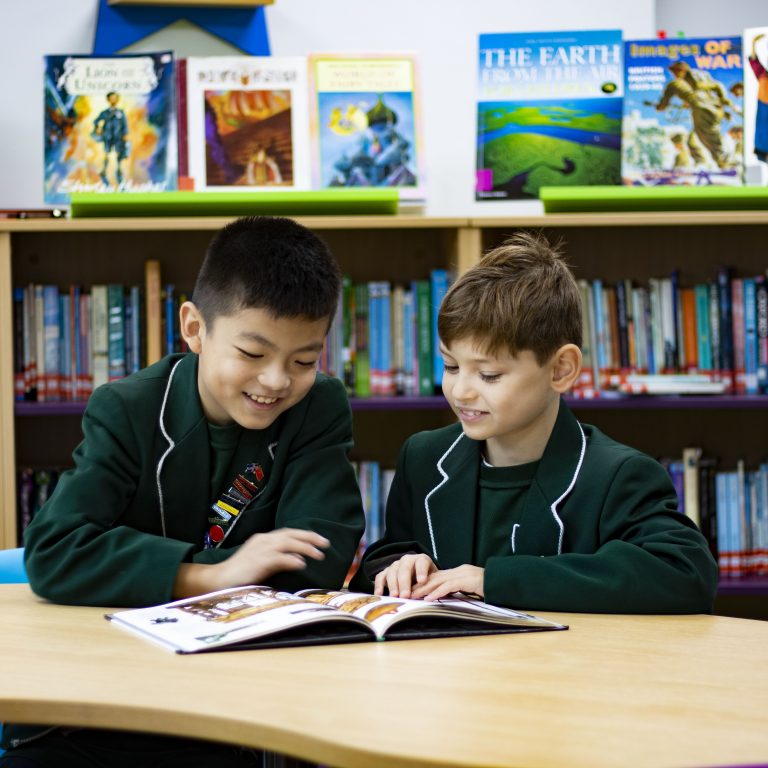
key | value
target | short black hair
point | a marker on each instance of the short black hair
(271, 263)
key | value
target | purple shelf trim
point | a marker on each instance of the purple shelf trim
(747, 585)
(437, 402)
(434, 403)
(50, 409)
(669, 402)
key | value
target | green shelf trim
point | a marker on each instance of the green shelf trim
(338, 202)
(619, 199)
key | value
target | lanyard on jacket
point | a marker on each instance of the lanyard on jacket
(246, 486)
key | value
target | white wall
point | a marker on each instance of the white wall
(443, 33)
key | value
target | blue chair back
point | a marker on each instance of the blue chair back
(12, 569)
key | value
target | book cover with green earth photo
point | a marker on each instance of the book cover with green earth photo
(549, 112)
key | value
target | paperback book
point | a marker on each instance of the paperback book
(246, 123)
(756, 105)
(109, 124)
(261, 617)
(366, 122)
(548, 111)
(683, 112)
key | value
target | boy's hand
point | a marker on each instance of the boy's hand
(264, 554)
(401, 575)
(465, 578)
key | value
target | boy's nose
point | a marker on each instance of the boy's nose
(462, 389)
(275, 378)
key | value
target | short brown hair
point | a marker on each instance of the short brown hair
(519, 296)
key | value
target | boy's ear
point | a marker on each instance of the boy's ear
(192, 326)
(566, 367)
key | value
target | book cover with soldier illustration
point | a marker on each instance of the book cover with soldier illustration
(247, 123)
(365, 122)
(683, 121)
(110, 124)
(756, 105)
(548, 111)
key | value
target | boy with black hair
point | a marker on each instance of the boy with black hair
(519, 503)
(220, 467)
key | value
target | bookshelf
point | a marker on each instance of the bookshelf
(403, 247)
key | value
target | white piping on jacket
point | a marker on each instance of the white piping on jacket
(553, 508)
(439, 485)
(171, 446)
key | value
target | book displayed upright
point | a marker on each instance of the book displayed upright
(366, 122)
(262, 617)
(246, 123)
(683, 112)
(755, 40)
(549, 110)
(109, 124)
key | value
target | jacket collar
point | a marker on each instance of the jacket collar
(453, 500)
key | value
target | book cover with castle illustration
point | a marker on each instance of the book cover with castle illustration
(683, 122)
(549, 111)
(366, 122)
(110, 124)
(246, 123)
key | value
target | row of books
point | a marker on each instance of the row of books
(659, 338)
(553, 109)
(708, 338)
(150, 122)
(588, 107)
(730, 508)
(381, 342)
(68, 342)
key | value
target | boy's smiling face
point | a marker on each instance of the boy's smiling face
(510, 402)
(253, 366)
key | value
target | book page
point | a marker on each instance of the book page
(381, 612)
(225, 617)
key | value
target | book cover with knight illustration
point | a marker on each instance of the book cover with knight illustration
(110, 124)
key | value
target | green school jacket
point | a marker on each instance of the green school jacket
(599, 530)
(99, 539)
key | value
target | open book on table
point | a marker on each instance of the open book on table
(261, 617)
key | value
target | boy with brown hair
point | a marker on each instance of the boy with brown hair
(519, 503)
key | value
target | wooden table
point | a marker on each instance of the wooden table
(611, 691)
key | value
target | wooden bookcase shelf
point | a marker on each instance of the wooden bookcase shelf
(606, 245)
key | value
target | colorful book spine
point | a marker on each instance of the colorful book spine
(726, 324)
(750, 336)
(116, 331)
(99, 335)
(761, 302)
(703, 339)
(65, 347)
(18, 344)
(51, 346)
(424, 337)
(153, 299)
(362, 348)
(737, 331)
(439, 282)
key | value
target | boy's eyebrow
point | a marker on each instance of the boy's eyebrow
(444, 351)
(257, 337)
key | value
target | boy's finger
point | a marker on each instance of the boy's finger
(378, 582)
(422, 569)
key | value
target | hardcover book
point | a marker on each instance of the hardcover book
(261, 617)
(247, 123)
(109, 124)
(756, 105)
(366, 122)
(548, 111)
(683, 112)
